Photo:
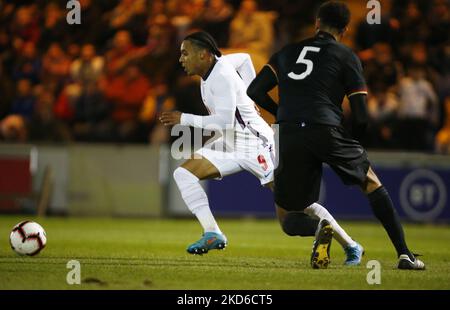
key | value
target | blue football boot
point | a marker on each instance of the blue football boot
(354, 254)
(209, 241)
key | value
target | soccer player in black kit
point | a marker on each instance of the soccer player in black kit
(313, 77)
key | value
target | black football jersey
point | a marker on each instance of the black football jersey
(313, 76)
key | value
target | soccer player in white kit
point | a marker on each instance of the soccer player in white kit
(223, 88)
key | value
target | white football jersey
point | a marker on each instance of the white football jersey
(224, 93)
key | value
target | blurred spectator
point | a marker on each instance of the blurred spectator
(86, 70)
(252, 30)
(6, 91)
(381, 71)
(83, 94)
(55, 64)
(63, 63)
(54, 28)
(24, 101)
(25, 26)
(81, 100)
(126, 94)
(157, 101)
(413, 25)
(7, 12)
(73, 51)
(28, 65)
(106, 5)
(161, 55)
(44, 127)
(443, 91)
(367, 35)
(90, 113)
(439, 21)
(216, 20)
(157, 7)
(5, 44)
(294, 16)
(63, 108)
(122, 52)
(417, 54)
(92, 28)
(130, 15)
(418, 111)
(124, 13)
(187, 14)
(13, 128)
(382, 105)
(442, 142)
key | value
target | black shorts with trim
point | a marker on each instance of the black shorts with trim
(303, 149)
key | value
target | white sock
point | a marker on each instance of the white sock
(318, 211)
(195, 198)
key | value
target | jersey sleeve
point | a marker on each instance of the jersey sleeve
(353, 76)
(224, 101)
(242, 63)
(259, 88)
(273, 64)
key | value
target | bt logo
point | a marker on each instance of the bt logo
(423, 194)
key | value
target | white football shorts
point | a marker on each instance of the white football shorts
(259, 161)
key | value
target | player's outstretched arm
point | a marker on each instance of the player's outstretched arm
(224, 100)
(259, 88)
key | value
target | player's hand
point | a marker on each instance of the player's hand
(170, 118)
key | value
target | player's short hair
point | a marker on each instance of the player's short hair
(334, 14)
(204, 40)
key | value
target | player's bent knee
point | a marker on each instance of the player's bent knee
(371, 185)
(178, 174)
(182, 175)
(286, 225)
(292, 225)
(372, 182)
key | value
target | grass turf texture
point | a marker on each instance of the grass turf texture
(151, 254)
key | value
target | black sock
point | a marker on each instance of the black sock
(382, 207)
(299, 224)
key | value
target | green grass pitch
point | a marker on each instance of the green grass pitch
(150, 254)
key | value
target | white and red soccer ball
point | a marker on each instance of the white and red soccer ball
(27, 238)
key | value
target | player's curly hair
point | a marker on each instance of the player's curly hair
(334, 14)
(205, 40)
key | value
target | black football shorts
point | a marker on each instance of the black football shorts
(302, 150)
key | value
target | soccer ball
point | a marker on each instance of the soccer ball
(27, 238)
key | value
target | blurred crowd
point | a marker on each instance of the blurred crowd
(406, 60)
(107, 79)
